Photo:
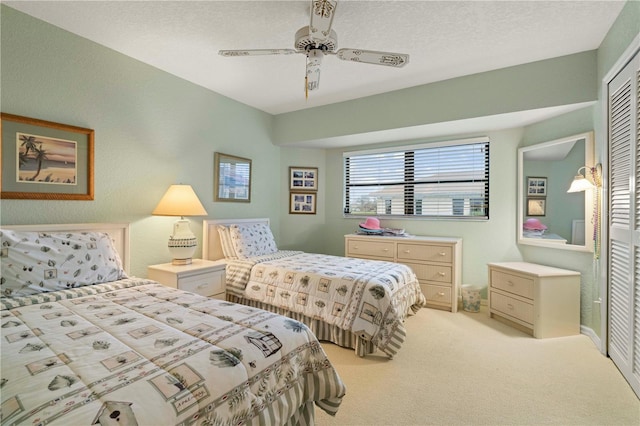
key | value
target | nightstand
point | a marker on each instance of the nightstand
(204, 277)
(540, 300)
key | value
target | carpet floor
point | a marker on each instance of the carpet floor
(468, 369)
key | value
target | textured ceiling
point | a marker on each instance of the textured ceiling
(445, 39)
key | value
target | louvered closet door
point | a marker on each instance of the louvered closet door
(624, 222)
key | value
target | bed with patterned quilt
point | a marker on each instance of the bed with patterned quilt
(83, 343)
(355, 303)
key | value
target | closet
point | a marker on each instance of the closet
(623, 221)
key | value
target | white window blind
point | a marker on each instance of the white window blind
(441, 180)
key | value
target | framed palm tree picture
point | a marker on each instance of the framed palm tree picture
(43, 160)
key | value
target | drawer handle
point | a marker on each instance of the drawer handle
(356, 247)
(441, 294)
(510, 283)
(442, 274)
(442, 253)
(407, 251)
(202, 286)
(510, 306)
(385, 249)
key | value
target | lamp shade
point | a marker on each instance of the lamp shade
(580, 183)
(179, 200)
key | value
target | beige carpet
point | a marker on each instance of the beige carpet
(467, 369)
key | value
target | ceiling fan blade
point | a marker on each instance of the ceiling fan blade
(314, 60)
(257, 52)
(389, 59)
(322, 12)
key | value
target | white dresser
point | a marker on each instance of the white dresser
(540, 300)
(436, 261)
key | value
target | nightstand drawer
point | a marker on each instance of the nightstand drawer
(378, 249)
(440, 274)
(204, 277)
(204, 284)
(512, 307)
(425, 252)
(515, 284)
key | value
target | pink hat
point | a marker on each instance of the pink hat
(534, 225)
(371, 223)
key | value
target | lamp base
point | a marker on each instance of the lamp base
(182, 244)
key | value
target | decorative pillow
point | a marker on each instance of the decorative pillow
(225, 241)
(37, 262)
(252, 240)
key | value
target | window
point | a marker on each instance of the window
(437, 180)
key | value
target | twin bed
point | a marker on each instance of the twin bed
(84, 343)
(354, 303)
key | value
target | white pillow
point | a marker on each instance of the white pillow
(225, 242)
(37, 262)
(252, 240)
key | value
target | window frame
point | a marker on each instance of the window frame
(413, 207)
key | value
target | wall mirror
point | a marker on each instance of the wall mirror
(231, 178)
(548, 216)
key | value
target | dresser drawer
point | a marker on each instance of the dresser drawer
(431, 253)
(206, 284)
(379, 249)
(439, 273)
(522, 286)
(437, 294)
(512, 307)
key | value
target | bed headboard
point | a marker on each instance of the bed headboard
(119, 232)
(211, 247)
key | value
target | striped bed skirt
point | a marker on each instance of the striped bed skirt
(322, 330)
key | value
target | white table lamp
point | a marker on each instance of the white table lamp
(181, 200)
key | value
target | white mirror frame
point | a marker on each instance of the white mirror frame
(588, 196)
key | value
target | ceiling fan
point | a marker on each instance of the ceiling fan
(317, 40)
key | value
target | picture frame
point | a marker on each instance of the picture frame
(231, 178)
(536, 186)
(536, 206)
(303, 179)
(43, 160)
(302, 202)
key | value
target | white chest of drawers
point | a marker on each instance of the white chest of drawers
(436, 261)
(540, 300)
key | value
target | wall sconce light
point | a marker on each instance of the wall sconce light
(581, 183)
(181, 200)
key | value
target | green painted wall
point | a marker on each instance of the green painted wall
(559, 81)
(151, 130)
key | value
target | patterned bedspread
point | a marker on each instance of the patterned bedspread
(135, 352)
(368, 298)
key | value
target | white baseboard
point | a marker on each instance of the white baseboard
(588, 331)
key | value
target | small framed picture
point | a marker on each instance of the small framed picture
(302, 203)
(536, 206)
(537, 186)
(231, 178)
(303, 178)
